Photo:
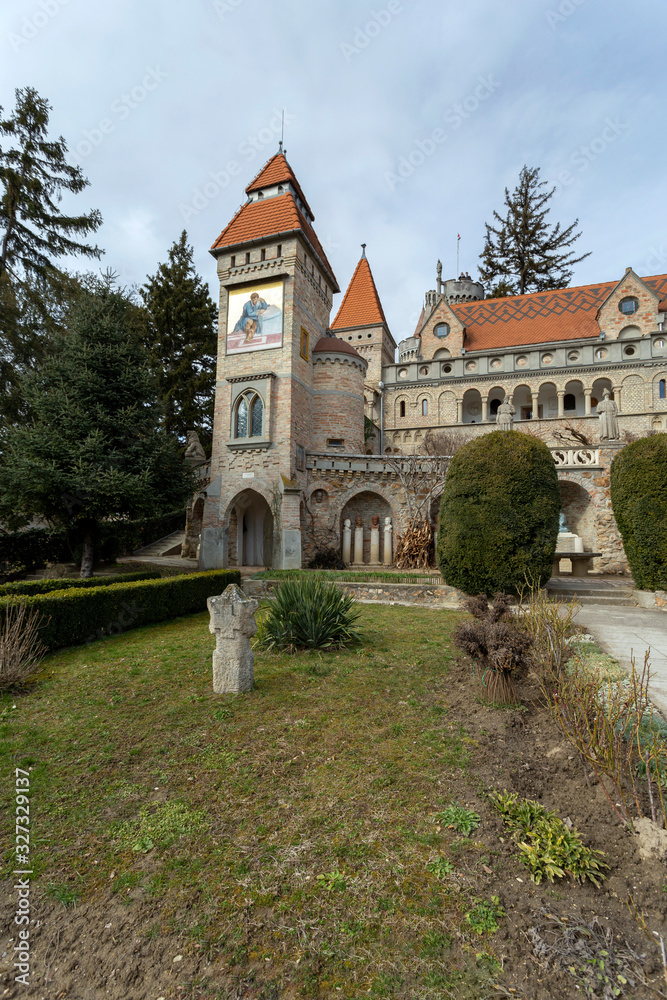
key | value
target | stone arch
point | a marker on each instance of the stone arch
(629, 333)
(472, 406)
(660, 391)
(632, 394)
(597, 392)
(425, 397)
(250, 527)
(496, 396)
(397, 407)
(547, 400)
(522, 400)
(442, 353)
(365, 503)
(574, 404)
(580, 512)
(447, 407)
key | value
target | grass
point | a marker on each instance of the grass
(294, 823)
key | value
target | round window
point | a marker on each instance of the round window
(547, 359)
(629, 305)
(629, 351)
(402, 372)
(522, 361)
(446, 369)
(471, 366)
(573, 356)
(441, 330)
(601, 353)
(496, 363)
(423, 371)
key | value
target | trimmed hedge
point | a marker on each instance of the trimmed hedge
(499, 514)
(33, 587)
(639, 502)
(75, 616)
(36, 546)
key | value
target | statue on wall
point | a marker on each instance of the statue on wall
(505, 415)
(194, 453)
(608, 414)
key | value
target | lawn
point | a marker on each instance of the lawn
(313, 838)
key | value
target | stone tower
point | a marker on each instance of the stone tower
(276, 290)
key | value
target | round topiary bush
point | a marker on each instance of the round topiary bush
(639, 503)
(499, 514)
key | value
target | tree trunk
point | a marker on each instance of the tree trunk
(88, 551)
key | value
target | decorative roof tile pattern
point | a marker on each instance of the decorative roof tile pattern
(540, 317)
(277, 171)
(277, 216)
(361, 304)
(336, 345)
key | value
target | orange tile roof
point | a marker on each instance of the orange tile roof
(277, 171)
(256, 220)
(539, 317)
(361, 304)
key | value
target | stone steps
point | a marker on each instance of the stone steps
(169, 545)
(589, 591)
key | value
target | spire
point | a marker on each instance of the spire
(361, 304)
(278, 171)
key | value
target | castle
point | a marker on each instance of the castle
(309, 411)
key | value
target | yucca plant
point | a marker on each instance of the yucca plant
(308, 614)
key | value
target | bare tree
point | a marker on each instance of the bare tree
(423, 480)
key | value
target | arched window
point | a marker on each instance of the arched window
(248, 419)
(493, 406)
(424, 407)
(662, 388)
(402, 408)
(570, 402)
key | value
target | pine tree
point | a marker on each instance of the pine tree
(182, 342)
(91, 451)
(34, 233)
(522, 250)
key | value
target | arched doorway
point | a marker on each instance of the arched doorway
(250, 531)
(365, 505)
(579, 512)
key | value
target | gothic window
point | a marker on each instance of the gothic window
(249, 415)
(662, 388)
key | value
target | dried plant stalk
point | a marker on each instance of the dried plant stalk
(21, 651)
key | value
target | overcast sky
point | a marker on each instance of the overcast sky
(404, 123)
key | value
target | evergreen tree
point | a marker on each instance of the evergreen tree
(182, 342)
(522, 250)
(91, 451)
(34, 233)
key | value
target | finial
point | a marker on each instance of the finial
(363, 249)
(280, 146)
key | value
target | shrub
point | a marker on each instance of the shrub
(548, 848)
(308, 614)
(326, 559)
(20, 648)
(500, 646)
(639, 503)
(499, 514)
(47, 586)
(79, 615)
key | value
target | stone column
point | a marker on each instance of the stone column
(358, 542)
(561, 402)
(347, 542)
(459, 411)
(616, 389)
(233, 623)
(587, 402)
(532, 399)
(388, 555)
(375, 540)
(485, 408)
(290, 533)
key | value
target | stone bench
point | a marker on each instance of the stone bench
(581, 562)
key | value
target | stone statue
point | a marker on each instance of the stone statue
(233, 624)
(608, 414)
(505, 416)
(347, 523)
(562, 523)
(439, 270)
(358, 522)
(375, 521)
(194, 453)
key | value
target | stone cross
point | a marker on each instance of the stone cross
(233, 623)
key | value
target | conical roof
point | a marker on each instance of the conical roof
(361, 304)
(278, 171)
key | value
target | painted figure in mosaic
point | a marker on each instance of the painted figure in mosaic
(250, 320)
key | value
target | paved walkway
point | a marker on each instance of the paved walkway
(622, 632)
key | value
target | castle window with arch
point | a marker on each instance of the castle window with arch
(424, 407)
(249, 415)
(402, 407)
(662, 388)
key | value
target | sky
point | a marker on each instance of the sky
(404, 122)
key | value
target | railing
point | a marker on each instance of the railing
(573, 457)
